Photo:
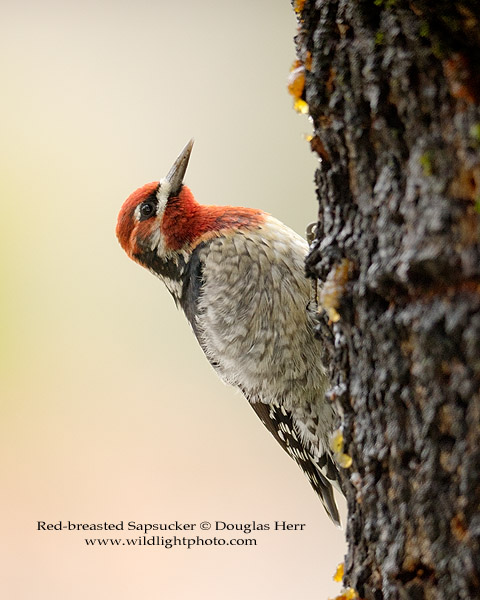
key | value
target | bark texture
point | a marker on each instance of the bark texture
(393, 89)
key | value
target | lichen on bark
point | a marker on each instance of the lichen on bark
(393, 90)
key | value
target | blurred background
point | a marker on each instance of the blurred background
(109, 409)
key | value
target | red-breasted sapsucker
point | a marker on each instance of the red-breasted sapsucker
(238, 275)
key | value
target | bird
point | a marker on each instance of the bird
(238, 275)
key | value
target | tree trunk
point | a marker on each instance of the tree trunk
(393, 89)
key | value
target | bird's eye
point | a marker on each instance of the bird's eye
(147, 209)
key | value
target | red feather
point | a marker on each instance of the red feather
(186, 223)
(126, 223)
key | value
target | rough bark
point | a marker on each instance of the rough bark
(393, 89)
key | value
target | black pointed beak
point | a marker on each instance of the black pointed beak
(177, 172)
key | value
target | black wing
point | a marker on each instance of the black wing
(192, 285)
(275, 418)
(319, 472)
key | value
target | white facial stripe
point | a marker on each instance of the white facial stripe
(155, 239)
(162, 196)
(136, 214)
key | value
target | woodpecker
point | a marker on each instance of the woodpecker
(238, 275)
